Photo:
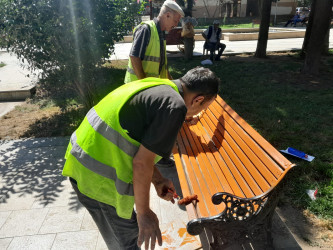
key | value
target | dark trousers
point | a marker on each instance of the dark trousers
(214, 46)
(118, 233)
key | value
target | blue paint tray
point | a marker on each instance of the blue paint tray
(298, 154)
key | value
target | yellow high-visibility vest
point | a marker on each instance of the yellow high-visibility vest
(100, 153)
(151, 61)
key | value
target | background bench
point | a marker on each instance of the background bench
(235, 173)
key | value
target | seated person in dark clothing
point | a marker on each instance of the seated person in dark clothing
(213, 36)
(296, 19)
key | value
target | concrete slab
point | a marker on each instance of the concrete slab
(3, 217)
(4, 243)
(16, 81)
(76, 240)
(15, 93)
(23, 222)
(56, 221)
(32, 242)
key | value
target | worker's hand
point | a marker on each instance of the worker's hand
(149, 230)
(165, 189)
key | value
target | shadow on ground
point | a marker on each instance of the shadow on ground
(31, 173)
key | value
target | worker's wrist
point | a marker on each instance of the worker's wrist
(142, 210)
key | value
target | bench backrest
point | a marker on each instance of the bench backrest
(222, 153)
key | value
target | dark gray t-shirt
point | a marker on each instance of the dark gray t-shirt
(153, 117)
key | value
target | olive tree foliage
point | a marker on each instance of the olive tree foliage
(70, 38)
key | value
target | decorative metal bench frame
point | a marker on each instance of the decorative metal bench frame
(234, 171)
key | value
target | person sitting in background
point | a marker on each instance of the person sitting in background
(213, 36)
(294, 20)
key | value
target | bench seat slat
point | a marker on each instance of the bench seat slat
(276, 155)
(232, 162)
(259, 152)
(197, 183)
(214, 170)
(202, 160)
(260, 172)
(180, 164)
(222, 171)
(188, 174)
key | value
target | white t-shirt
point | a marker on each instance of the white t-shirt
(213, 37)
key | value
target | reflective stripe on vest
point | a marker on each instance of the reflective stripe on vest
(100, 154)
(151, 60)
(109, 133)
(123, 188)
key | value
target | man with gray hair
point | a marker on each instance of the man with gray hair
(148, 54)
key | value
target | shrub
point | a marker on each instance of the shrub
(70, 38)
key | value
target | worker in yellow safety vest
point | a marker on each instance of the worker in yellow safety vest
(111, 156)
(148, 53)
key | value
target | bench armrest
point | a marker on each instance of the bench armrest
(238, 208)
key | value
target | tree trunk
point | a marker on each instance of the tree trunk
(316, 41)
(188, 47)
(265, 7)
(308, 29)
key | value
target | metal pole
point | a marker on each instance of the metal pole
(151, 10)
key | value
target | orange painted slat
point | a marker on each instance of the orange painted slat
(187, 155)
(273, 167)
(191, 212)
(276, 155)
(263, 177)
(241, 188)
(216, 160)
(207, 188)
(206, 163)
(222, 170)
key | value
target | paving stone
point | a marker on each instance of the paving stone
(16, 201)
(101, 243)
(4, 243)
(83, 240)
(88, 223)
(60, 195)
(34, 242)
(62, 219)
(23, 222)
(3, 217)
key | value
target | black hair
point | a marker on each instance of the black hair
(202, 81)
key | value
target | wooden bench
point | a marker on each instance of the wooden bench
(235, 173)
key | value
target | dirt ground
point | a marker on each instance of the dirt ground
(309, 231)
(28, 120)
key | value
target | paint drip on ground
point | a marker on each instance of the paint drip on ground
(176, 237)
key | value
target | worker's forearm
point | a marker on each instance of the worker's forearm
(137, 67)
(157, 176)
(142, 178)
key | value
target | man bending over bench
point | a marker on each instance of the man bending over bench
(110, 158)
